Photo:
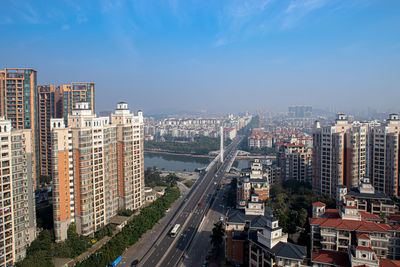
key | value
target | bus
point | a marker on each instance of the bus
(175, 230)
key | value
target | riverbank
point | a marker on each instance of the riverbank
(248, 157)
(178, 154)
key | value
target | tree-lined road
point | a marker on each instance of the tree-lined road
(168, 251)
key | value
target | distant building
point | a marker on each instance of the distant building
(300, 111)
(230, 133)
(260, 139)
(295, 162)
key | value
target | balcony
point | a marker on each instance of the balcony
(328, 232)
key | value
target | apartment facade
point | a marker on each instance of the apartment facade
(17, 220)
(130, 156)
(97, 166)
(63, 178)
(339, 155)
(384, 156)
(46, 112)
(19, 102)
(71, 94)
(295, 161)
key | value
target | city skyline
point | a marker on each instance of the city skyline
(201, 55)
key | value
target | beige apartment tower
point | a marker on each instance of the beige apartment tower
(17, 220)
(130, 156)
(384, 156)
(295, 161)
(95, 168)
(339, 155)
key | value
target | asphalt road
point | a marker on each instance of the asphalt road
(168, 251)
(198, 250)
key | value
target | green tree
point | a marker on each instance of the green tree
(217, 235)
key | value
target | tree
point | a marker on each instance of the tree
(217, 235)
(302, 217)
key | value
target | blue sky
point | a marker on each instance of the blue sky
(214, 55)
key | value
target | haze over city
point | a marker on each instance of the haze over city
(219, 56)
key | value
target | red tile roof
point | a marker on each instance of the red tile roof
(362, 236)
(388, 263)
(369, 216)
(332, 257)
(360, 226)
(319, 204)
(394, 217)
(365, 248)
(331, 213)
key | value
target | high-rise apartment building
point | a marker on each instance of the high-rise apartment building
(97, 168)
(46, 111)
(130, 156)
(63, 178)
(384, 156)
(19, 102)
(295, 161)
(17, 214)
(71, 94)
(339, 155)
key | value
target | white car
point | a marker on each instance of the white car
(222, 218)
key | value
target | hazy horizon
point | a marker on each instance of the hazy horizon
(224, 56)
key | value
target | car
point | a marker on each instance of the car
(200, 203)
(134, 263)
(222, 218)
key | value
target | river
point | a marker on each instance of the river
(179, 163)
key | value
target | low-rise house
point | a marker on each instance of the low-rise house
(254, 238)
(253, 181)
(160, 190)
(149, 194)
(366, 198)
(337, 230)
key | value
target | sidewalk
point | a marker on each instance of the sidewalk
(140, 247)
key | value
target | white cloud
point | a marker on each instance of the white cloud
(299, 9)
(65, 27)
(237, 20)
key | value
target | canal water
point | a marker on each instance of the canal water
(179, 163)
